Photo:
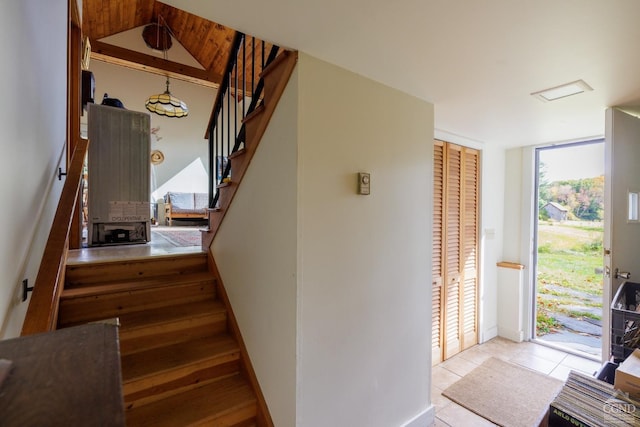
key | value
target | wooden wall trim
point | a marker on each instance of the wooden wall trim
(74, 13)
(117, 55)
(74, 108)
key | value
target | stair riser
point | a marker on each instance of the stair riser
(272, 74)
(75, 311)
(157, 387)
(270, 86)
(226, 194)
(79, 274)
(237, 166)
(251, 128)
(140, 339)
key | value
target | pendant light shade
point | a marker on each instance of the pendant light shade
(158, 37)
(166, 104)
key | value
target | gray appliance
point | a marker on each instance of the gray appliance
(118, 176)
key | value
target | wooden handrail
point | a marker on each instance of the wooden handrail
(43, 308)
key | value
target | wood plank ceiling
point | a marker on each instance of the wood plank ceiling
(208, 42)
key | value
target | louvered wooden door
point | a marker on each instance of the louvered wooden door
(455, 250)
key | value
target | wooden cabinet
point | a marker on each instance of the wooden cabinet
(455, 250)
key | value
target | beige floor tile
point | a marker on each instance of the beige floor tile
(438, 400)
(459, 365)
(501, 348)
(443, 378)
(560, 372)
(455, 415)
(544, 352)
(581, 364)
(440, 423)
(475, 355)
(534, 362)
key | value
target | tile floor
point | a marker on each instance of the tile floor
(158, 246)
(546, 360)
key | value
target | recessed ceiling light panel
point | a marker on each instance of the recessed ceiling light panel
(562, 91)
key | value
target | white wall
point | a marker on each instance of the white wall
(332, 289)
(513, 205)
(364, 266)
(181, 140)
(519, 222)
(33, 38)
(492, 219)
(255, 250)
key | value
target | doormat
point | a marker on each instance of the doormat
(179, 237)
(505, 394)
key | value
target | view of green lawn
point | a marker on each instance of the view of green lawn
(569, 254)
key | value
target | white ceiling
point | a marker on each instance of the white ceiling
(477, 61)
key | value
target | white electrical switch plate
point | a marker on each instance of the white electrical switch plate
(364, 183)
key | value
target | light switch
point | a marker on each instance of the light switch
(364, 183)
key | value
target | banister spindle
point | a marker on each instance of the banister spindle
(253, 65)
(234, 85)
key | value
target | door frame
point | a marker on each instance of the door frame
(534, 254)
(528, 245)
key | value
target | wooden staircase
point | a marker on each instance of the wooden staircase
(276, 76)
(182, 356)
(181, 363)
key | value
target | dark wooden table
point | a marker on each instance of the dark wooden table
(69, 377)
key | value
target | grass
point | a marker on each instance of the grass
(545, 323)
(568, 256)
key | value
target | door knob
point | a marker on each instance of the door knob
(622, 274)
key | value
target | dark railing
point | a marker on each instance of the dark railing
(238, 95)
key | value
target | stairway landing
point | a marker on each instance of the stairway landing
(156, 247)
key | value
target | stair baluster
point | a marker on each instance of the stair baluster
(226, 132)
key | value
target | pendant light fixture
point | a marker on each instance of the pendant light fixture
(166, 104)
(158, 37)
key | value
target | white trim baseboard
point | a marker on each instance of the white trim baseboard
(488, 334)
(424, 419)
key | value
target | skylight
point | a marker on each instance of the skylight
(562, 91)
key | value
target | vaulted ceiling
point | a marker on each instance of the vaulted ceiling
(206, 41)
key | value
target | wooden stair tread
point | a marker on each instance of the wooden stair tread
(240, 152)
(227, 401)
(159, 360)
(136, 284)
(158, 316)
